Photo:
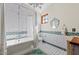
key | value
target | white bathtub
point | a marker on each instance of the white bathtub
(58, 40)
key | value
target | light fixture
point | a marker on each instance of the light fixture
(36, 5)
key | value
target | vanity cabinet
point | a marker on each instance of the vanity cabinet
(73, 46)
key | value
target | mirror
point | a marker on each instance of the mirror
(54, 23)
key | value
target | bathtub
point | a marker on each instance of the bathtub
(58, 40)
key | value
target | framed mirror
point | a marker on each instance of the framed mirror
(54, 23)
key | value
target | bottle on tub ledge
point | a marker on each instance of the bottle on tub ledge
(65, 30)
(74, 31)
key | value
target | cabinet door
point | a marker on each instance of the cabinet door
(11, 20)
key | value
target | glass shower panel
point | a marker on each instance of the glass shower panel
(22, 22)
(30, 19)
(11, 20)
(19, 21)
(30, 25)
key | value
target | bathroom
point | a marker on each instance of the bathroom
(38, 28)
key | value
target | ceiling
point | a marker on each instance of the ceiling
(39, 6)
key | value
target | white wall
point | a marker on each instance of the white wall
(68, 14)
(0, 18)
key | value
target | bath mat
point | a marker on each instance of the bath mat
(38, 52)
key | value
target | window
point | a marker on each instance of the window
(44, 19)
